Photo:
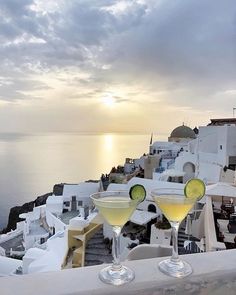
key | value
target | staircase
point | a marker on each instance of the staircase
(97, 251)
(183, 237)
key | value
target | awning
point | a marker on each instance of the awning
(142, 217)
(221, 189)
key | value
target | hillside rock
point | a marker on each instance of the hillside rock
(58, 189)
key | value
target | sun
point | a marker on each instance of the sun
(109, 101)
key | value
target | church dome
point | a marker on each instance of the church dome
(183, 132)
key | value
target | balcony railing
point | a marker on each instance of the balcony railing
(213, 273)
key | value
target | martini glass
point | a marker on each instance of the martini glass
(116, 207)
(175, 206)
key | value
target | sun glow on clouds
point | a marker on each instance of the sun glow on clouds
(109, 100)
(118, 8)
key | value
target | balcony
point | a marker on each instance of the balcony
(214, 273)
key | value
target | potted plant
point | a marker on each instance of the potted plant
(162, 224)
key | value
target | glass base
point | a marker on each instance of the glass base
(178, 269)
(116, 277)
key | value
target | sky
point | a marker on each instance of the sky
(116, 66)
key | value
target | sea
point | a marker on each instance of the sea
(30, 164)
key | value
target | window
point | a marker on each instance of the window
(221, 147)
(42, 241)
(80, 203)
(67, 203)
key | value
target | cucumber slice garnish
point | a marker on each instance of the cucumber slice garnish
(137, 192)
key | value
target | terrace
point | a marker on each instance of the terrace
(213, 273)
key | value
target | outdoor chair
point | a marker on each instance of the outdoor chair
(149, 251)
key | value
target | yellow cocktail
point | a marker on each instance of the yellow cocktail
(116, 207)
(174, 208)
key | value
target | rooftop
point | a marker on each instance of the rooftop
(15, 243)
(183, 132)
(67, 216)
(222, 121)
(36, 228)
(83, 188)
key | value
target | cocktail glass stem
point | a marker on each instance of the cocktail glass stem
(175, 255)
(174, 266)
(116, 250)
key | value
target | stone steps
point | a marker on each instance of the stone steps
(182, 237)
(97, 251)
(98, 235)
(95, 246)
(93, 262)
(95, 257)
(94, 241)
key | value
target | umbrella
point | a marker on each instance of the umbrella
(221, 189)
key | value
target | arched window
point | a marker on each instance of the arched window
(189, 167)
(152, 208)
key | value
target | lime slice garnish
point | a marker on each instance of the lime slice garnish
(194, 189)
(137, 192)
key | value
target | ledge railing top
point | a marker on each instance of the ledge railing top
(213, 273)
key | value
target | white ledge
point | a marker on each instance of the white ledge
(214, 273)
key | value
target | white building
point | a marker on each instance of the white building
(162, 154)
(132, 164)
(8, 266)
(166, 149)
(45, 228)
(51, 259)
(178, 141)
(36, 231)
(76, 196)
(212, 156)
(54, 204)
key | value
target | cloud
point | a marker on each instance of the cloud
(146, 53)
(17, 89)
